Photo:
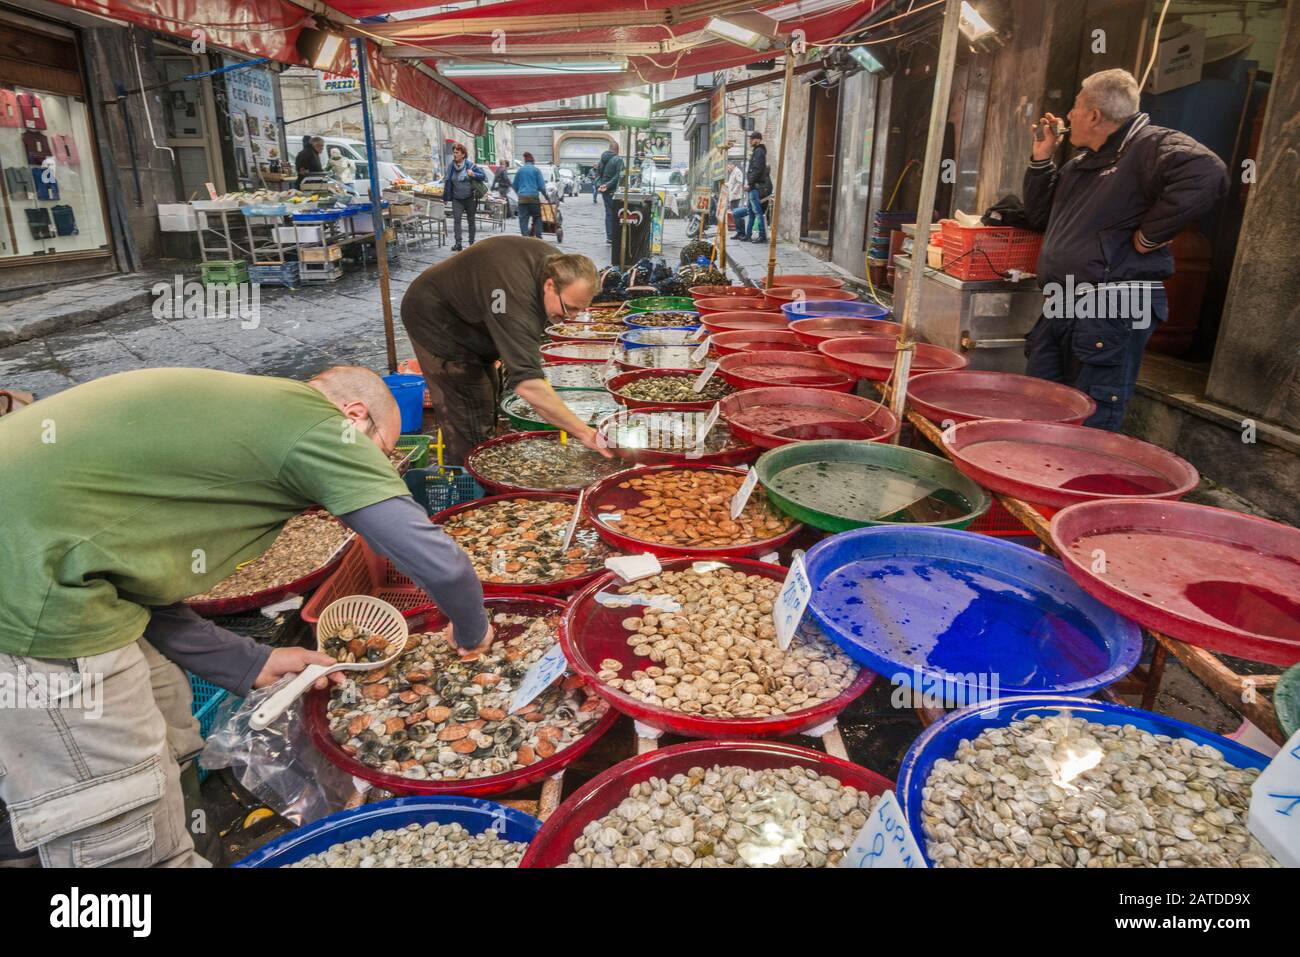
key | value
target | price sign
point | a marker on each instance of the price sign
(707, 425)
(539, 677)
(573, 522)
(701, 350)
(885, 840)
(631, 568)
(743, 493)
(701, 332)
(791, 601)
(703, 378)
(1274, 816)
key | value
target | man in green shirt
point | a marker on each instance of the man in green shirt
(494, 301)
(127, 495)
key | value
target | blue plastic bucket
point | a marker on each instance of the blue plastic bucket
(408, 390)
(813, 307)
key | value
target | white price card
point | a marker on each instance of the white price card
(573, 522)
(743, 493)
(539, 677)
(791, 602)
(1274, 816)
(632, 568)
(707, 425)
(885, 840)
(701, 332)
(701, 351)
(703, 378)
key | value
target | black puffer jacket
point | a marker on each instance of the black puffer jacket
(1144, 177)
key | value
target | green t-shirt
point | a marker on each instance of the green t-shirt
(147, 487)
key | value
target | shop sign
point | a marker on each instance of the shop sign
(250, 98)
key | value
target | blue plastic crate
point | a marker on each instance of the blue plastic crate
(319, 216)
(437, 489)
(280, 274)
(208, 699)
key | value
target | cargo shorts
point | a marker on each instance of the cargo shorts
(89, 753)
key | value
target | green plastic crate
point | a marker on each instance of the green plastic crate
(420, 443)
(223, 272)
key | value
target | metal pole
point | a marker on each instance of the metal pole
(376, 212)
(627, 180)
(925, 209)
(780, 166)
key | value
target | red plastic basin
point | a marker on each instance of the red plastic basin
(564, 586)
(780, 415)
(744, 319)
(717, 292)
(1207, 576)
(675, 430)
(592, 632)
(817, 329)
(652, 358)
(756, 340)
(872, 357)
(317, 702)
(623, 378)
(757, 370)
(605, 497)
(971, 394)
(709, 307)
(804, 279)
(780, 295)
(603, 793)
(1054, 464)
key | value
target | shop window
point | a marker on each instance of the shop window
(50, 183)
(823, 150)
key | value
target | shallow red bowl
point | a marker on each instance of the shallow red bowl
(872, 357)
(813, 414)
(1208, 576)
(493, 487)
(598, 351)
(606, 496)
(623, 378)
(591, 632)
(671, 354)
(804, 279)
(969, 394)
(815, 330)
(1054, 464)
(564, 586)
(556, 336)
(756, 340)
(690, 421)
(317, 703)
(269, 596)
(603, 793)
(759, 370)
(709, 307)
(780, 295)
(717, 292)
(744, 319)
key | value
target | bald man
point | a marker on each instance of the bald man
(127, 495)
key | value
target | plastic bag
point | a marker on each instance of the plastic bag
(279, 765)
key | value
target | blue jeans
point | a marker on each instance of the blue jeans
(1099, 356)
(595, 195)
(751, 216)
(530, 209)
(611, 215)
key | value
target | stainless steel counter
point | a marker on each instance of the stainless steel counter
(985, 321)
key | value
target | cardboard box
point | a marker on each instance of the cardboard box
(1180, 58)
(320, 254)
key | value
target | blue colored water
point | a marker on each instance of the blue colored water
(951, 617)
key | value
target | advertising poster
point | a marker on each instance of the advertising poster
(718, 134)
(250, 97)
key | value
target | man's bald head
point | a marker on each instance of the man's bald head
(361, 394)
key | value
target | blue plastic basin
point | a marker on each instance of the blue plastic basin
(941, 739)
(966, 616)
(473, 814)
(810, 308)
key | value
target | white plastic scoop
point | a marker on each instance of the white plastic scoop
(373, 616)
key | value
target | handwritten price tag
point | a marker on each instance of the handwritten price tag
(791, 602)
(701, 351)
(707, 425)
(701, 332)
(1275, 805)
(539, 677)
(703, 378)
(743, 493)
(573, 522)
(885, 840)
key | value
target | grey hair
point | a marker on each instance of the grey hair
(1114, 93)
(344, 384)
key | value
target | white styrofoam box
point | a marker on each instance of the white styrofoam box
(1180, 57)
(177, 218)
(299, 234)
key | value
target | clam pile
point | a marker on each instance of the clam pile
(727, 816)
(429, 845)
(1062, 791)
(306, 542)
(432, 715)
(542, 463)
(518, 541)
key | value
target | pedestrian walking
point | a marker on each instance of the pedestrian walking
(463, 186)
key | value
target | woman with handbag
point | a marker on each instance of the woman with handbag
(464, 185)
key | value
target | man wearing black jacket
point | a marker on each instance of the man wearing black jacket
(1109, 216)
(758, 182)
